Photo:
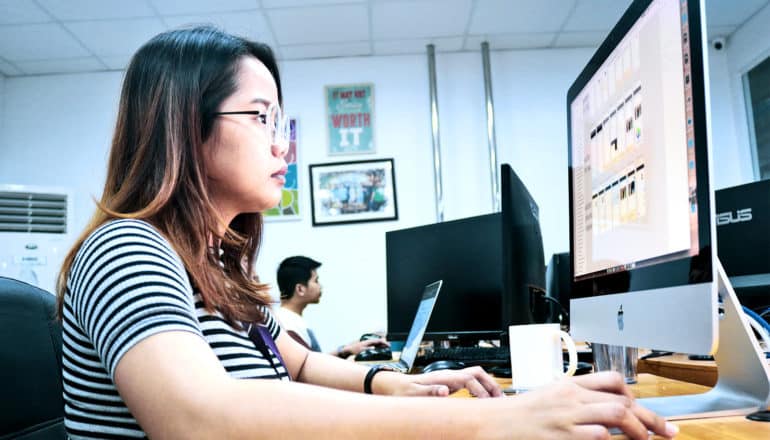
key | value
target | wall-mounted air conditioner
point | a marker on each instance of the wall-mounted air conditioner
(35, 233)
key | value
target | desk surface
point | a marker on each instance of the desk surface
(679, 367)
(723, 428)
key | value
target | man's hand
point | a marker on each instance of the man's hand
(358, 346)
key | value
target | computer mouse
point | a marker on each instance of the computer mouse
(375, 354)
(443, 365)
(374, 336)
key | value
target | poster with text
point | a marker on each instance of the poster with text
(350, 118)
(288, 208)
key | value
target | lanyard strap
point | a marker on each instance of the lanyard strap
(262, 338)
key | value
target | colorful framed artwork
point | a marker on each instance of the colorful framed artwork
(352, 192)
(350, 118)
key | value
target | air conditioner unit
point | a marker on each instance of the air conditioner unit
(35, 233)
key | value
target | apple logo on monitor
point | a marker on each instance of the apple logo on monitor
(620, 318)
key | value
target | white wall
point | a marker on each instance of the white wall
(60, 129)
(2, 109)
(530, 99)
(746, 48)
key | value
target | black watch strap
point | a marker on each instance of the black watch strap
(370, 375)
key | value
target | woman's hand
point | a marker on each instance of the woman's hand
(584, 407)
(445, 382)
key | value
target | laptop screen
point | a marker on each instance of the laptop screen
(429, 295)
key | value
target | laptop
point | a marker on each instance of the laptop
(420, 323)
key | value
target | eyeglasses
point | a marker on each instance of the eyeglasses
(274, 120)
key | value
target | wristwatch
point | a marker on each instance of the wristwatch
(370, 375)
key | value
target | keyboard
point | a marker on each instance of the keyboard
(491, 356)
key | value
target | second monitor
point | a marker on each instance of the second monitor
(490, 264)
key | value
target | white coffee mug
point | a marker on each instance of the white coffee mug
(536, 355)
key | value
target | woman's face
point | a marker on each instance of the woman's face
(245, 171)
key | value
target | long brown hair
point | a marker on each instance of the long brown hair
(173, 87)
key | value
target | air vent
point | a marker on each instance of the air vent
(33, 212)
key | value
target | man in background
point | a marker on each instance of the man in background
(299, 286)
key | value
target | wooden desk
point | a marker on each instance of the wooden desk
(677, 366)
(723, 428)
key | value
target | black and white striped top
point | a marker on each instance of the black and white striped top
(127, 283)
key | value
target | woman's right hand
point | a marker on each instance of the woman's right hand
(583, 407)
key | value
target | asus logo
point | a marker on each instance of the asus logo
(740, 215)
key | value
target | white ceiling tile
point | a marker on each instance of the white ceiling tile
(318, 24)
(417, 46)
(8, 69)
(295, 3)
(731, 12)
(520, 16)
(325, 50)
(65, 10)
(116, 62)
(17, 12)
(419, 19)
(65, 65)
(580, 39)
(187, 7)
(596, 15)
(38, 41)
(116, 37)
(511, 41)
(248, 24)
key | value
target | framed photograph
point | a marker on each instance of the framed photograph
(351, 192)
(350, 118)
(288, 208)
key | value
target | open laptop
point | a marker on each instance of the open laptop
(420, 323)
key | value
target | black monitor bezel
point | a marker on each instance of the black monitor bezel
(694, 269)
(462, 337)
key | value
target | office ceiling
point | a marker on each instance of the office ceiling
(57, 36)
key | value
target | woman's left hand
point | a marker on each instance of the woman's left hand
(445, 382)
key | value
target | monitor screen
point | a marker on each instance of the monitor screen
(492, 266)
(639, 198)
(466, 255)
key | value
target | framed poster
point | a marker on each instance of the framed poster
(350, 118)
(352, 192)
(288, 208)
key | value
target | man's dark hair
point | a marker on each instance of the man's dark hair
(293, 271)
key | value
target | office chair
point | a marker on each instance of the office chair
(31, 403)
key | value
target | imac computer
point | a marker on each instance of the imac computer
(642, 240)
(491, 266)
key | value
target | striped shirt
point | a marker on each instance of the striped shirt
(126, 284)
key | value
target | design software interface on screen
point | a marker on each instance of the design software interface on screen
(633, 159)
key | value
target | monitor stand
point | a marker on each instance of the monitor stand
(743, 384)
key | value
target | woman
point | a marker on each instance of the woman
(153, 294)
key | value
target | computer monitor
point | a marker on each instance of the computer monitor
(557, 285)
(642, 238)
(523, 259)
(466, 254)
(743, 216)
(492, 265)
(640, 201)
